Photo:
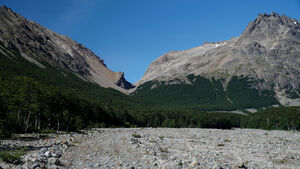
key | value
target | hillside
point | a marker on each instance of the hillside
(42, 47)
(263, 61)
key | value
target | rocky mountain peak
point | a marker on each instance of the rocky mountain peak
(9, 14)
(6, 9)
(270, 26)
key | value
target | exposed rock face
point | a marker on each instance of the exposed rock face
(40, 45)
(268, 50)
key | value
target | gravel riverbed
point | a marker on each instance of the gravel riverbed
(161, 148)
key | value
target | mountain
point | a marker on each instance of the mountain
(48, 82)
(257, 69)
(42, 46)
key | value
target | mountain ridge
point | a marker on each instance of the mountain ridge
(38, 44)
(267, 50)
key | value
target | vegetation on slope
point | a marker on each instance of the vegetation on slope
(35, 99)
(13, 65)
(242, 95)
(283, 118)
(205, 94)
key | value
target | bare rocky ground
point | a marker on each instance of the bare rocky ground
(161, 148)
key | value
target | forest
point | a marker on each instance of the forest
(27, 105)
(33, 99)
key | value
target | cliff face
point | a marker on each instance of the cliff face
(41, 45)
(267, 51)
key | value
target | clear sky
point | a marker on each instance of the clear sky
(130, 34)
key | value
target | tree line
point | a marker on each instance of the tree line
(27, 105)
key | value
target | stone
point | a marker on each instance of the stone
(43, 150)
(33, 159)
(194, 163)
(133, 141)
(52, 154)
(35, 165)
(172, 157)
(52, 160)
(64, 146)
(53, 167)
(47, 154)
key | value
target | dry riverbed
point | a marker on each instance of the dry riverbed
(160, 148)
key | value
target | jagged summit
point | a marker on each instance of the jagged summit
(38, 44)
(267, 51)
(270, 27)
(5, 8)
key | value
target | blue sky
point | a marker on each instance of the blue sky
(130, 34)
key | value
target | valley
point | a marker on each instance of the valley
(227, 104)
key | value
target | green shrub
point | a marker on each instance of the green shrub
(135, 135)
(13, 156)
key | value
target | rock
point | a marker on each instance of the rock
(33, 159)
(58, 142)
(35, 165)
(53, 160)
(43, 150)
(53, 167)
(47, 154)
(133, 141)
(52, 154)
(27, 158)
(216, 166)
(64, 146)
(172, 157)
(64, 142)
(194, 163)
(19, 167)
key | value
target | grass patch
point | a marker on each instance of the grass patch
(282, 161)
(161, 137)
(152, 141)
(220, 145)
(13, 156)
(163, 150)
(76, 142)
(135, 135)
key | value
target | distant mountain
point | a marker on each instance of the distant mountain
(257, 69)
(42, 46)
